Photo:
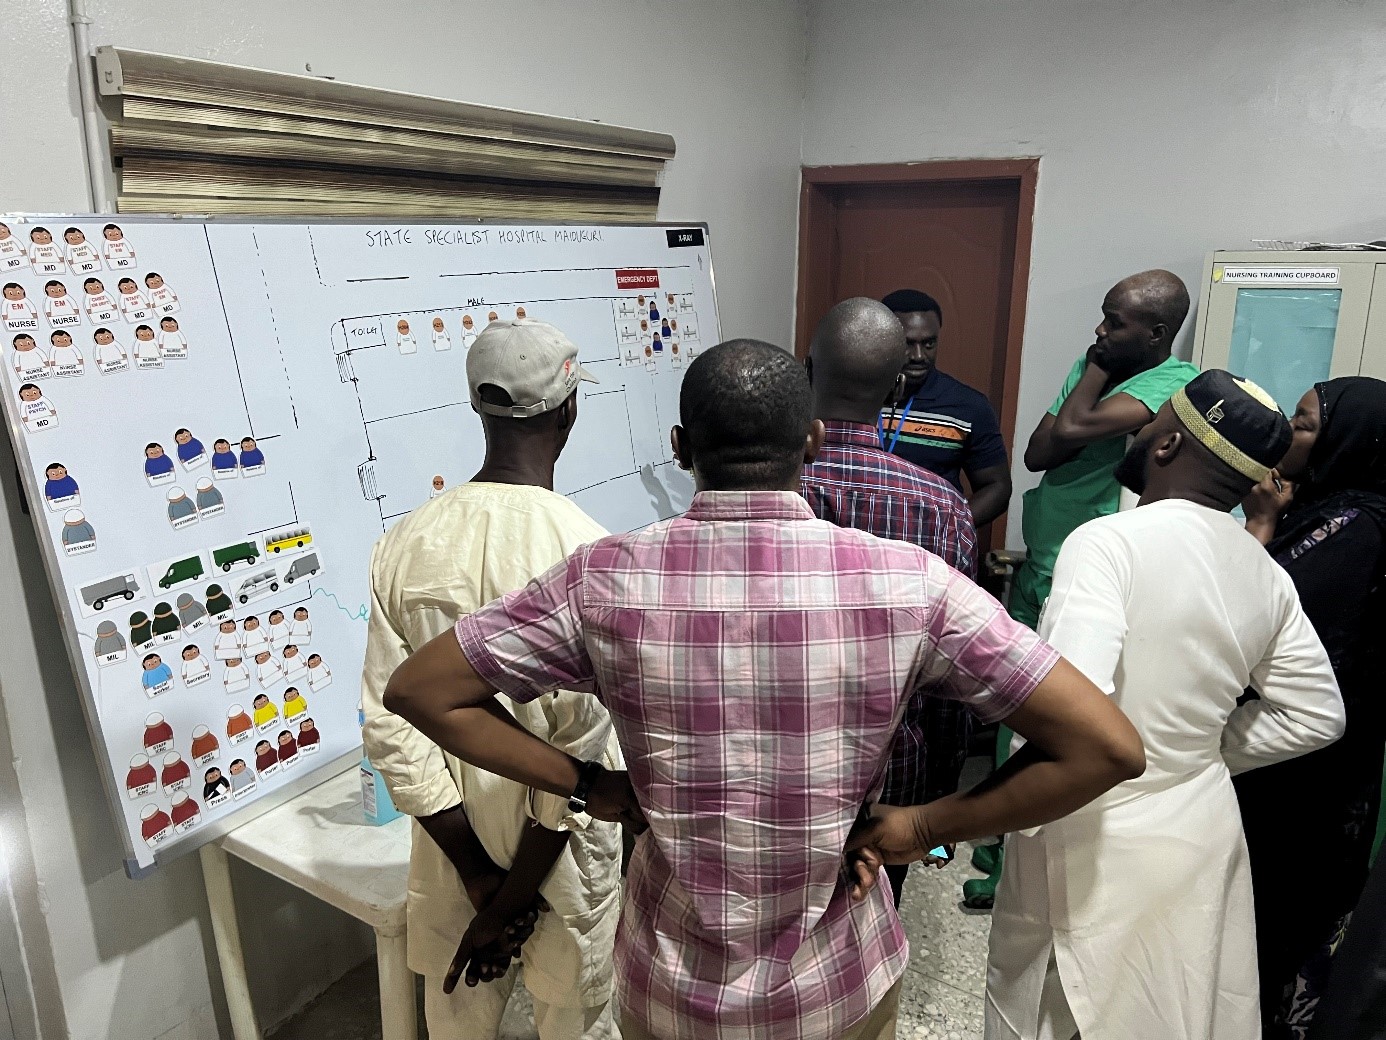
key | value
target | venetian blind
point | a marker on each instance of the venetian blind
(196, 136)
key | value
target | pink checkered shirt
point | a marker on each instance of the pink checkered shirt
(756, 662)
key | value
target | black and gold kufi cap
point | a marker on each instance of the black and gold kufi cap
(1236, 420)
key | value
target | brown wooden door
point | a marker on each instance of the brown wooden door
(958, 231)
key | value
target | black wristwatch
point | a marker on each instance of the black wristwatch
(587, 776)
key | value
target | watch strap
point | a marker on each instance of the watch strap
(587, 775)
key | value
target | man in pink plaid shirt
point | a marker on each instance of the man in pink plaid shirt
(756, 662)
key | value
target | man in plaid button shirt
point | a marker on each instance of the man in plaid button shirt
(855, 360)
(756, 662)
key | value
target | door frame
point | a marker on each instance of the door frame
(816, 243)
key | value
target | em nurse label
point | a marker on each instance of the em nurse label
(1275, 275)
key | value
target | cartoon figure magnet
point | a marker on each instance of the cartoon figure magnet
(110, 354)
(19, 313)
(191, 453)
(224, 463)
(158, 467)
(163, 299)
(12, 256)
(147, 349)
(82, 258)
(116, 251)
(64, 357)
(196, 670)
(29, 361)
(242, 779)
(157, 677)
(182, 511)
(134, 304)
(100, 305)
(58, 307)
(44, 256)
(35, 410)
(236, 676)
(252, 459)
(173, 345)
(78, 536)
(110, 644)
(209, 500)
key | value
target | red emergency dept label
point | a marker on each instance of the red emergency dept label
(645, 279)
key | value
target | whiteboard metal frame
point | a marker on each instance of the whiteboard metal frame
(34, 494)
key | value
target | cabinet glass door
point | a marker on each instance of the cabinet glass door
(1283, 339)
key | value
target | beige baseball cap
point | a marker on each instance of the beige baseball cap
(530, 360)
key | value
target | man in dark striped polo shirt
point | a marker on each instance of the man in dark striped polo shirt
(941, 423)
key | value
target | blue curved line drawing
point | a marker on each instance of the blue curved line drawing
(363, 612)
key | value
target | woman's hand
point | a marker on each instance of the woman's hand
(1266, 505)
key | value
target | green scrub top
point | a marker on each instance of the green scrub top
(1083, 488)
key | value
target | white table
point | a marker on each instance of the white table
(320, 842)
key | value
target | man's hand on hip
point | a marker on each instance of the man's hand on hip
(612, 799)
(891, 834)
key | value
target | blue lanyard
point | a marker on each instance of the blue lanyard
(899, 425)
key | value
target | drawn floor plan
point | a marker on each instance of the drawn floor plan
(418, 424)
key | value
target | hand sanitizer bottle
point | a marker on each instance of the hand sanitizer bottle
(375, 796)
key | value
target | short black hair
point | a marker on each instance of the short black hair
(911, 301)
(52, 282)
(746, 407)
(13, 285)
(112, 227)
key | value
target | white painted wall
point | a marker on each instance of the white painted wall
(114, 958)
(1166, 129)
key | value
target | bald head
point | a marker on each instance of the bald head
(1141, 315)
(855, 359)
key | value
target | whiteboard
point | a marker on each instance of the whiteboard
(239, 410)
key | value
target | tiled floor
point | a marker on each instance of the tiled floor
(942, 996)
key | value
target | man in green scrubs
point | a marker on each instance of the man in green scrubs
(1111, 392)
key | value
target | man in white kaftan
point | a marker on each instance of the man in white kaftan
(1131, 919)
